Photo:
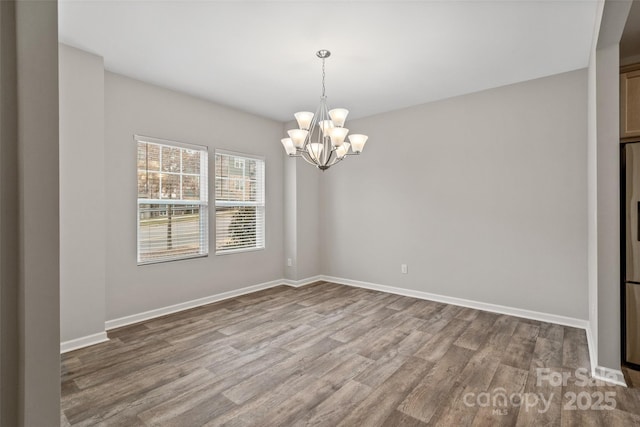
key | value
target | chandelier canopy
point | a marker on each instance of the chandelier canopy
(320, 137)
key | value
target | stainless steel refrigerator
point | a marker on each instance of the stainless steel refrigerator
(630, 246)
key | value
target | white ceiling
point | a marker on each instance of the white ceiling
(260, 56)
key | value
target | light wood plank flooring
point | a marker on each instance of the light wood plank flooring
(332, 355)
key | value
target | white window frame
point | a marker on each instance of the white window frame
(226, 203)
(203, 202)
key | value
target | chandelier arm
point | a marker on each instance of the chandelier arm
(328, 158)
(322, 137)
(308, 139)
(315, 121)
(335, 160)
(307, 158)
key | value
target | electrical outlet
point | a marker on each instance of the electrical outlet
(403, 268)
(289, 262)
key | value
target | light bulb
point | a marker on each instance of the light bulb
(357, 142)
(337, 135)
(342, 150)
(298, 136)
(304, 119)
(338, 116)
(288, 146)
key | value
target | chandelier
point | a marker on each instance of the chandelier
(320, 137)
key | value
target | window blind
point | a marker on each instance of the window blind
(172, 200)
(239, 202)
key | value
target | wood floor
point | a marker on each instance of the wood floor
(332, 355)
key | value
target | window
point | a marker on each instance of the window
(172, 200)
(239, 202)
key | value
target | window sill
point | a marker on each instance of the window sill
(237, 251)
(162, 261)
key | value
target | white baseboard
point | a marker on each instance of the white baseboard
(494, 308)
(599, 372)
(135, 318)
(303, 282)
(593, 356)
(83, 342)
(612, 376)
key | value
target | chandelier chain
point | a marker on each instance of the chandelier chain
(323, 74)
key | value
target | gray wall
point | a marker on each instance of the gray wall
(9, 219)
(82, 194)
(310, 210)
(303, 209)
(592, 199)
(133, 107)
(604, 187)
(484, 196)
(608, 196)
(29, 252)
(290, 218)
(38, 171)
